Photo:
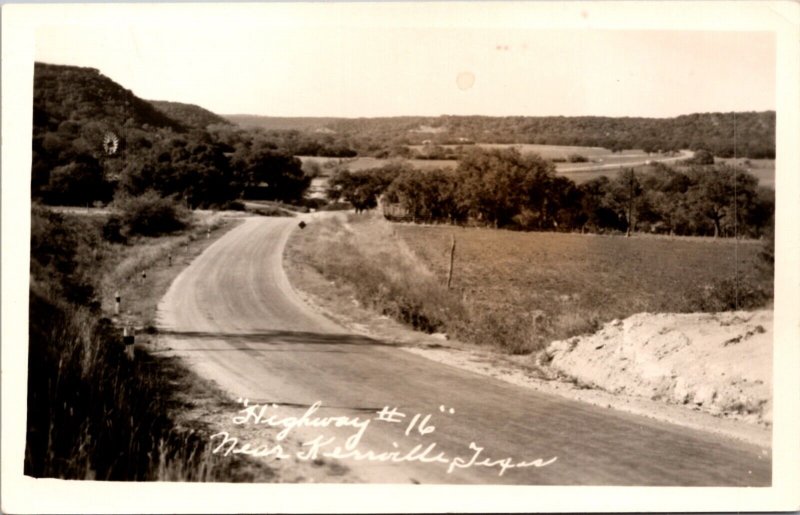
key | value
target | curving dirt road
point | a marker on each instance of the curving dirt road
(233, 316)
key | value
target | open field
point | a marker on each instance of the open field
(519, 291)
(546, 151)
(763, 169)
(565, 284)
(355, 164)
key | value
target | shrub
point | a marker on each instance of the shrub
(62, 255)
(151, 215)
(233, 205)
(702, 157)
(730, 294)
(577, 158)
(114, 230)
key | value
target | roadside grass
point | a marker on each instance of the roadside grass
(519, 291)
(92, 412)
(142, 271)
(382, 275)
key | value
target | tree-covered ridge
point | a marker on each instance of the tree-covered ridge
(189, 115)
(94, 140)
(282, 123)
(748, 134)
(77, 95)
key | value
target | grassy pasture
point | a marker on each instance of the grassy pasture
(763, 169)
(565, 284)
(519, 291)
(546, 151)
(364, 163)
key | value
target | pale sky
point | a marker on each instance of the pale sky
(357, 71)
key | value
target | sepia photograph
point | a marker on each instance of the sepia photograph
(388, 244)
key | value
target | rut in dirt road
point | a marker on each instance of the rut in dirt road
(235, 319)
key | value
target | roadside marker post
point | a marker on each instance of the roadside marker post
(169, 259)
(144, 275)
(128, 339)
(208, 233)
(117, 301)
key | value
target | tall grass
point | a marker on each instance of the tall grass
(92, 412)
(382, 276)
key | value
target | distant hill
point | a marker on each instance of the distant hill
(748, 134)
(81, 95)
(310, 124)
(189, 115)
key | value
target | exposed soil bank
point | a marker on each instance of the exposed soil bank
(718, 362)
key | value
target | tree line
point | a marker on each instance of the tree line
(745, 134)
(504, 188)
(195, 167)
(94, 140)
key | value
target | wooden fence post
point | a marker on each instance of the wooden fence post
(452, 257)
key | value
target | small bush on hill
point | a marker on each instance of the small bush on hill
(150, 214)
(702, 157)
(114, 230)
(233, 205)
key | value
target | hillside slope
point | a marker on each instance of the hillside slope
(189, 115)
(76, 95)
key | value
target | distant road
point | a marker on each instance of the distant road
(234, 317)
(589, 167)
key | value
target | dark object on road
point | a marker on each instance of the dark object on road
(302, 224)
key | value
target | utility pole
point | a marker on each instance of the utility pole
(452, 257)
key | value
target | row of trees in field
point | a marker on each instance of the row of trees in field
(503, 188)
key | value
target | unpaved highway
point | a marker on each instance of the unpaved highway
(235, 319)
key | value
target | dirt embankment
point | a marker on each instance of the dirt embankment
(720, 363)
